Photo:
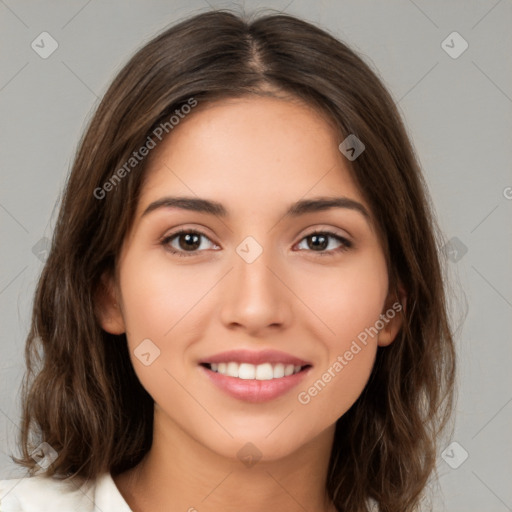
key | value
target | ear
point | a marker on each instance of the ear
(392, 317)
(108, 310)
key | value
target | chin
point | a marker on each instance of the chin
(259, 445)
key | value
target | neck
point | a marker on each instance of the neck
(178, 473)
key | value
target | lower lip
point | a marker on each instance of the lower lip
(252, 390)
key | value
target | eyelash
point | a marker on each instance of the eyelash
(345, 244)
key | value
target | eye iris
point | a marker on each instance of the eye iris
(192, 241)
(314, 241)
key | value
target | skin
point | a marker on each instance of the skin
(255, 155)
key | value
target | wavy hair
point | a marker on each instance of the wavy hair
(80, 393)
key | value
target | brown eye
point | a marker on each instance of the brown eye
(189, 241)
(319, 242)
(184, 241)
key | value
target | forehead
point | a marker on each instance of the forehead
(251, 153)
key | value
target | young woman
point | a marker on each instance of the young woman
(243, 306)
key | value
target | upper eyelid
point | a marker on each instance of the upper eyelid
(186, 230)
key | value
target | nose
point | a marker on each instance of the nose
(255, 297)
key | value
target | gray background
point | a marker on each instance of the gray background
(458, 113)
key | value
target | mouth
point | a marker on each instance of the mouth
(255, 376)
(248, 371)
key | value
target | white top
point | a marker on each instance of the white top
(41, 493)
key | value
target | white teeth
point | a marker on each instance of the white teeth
(288, 370)
(232, 370)
(246, 371)
(265, 371)
(278, 371)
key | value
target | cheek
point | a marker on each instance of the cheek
(159, 303)
(346, 299)
(349, 303)
(157, 296)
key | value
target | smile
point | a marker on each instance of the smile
(247, 371)
(254, 377)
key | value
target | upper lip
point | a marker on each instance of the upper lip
(255, 357)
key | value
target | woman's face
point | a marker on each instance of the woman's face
(250, 290)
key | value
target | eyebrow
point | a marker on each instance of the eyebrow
(301, 207)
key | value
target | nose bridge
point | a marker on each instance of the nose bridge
(256, 297)
(252, 268)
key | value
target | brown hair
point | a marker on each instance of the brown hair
(81, 394)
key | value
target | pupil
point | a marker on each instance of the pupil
(192, 241)
(315, 238)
